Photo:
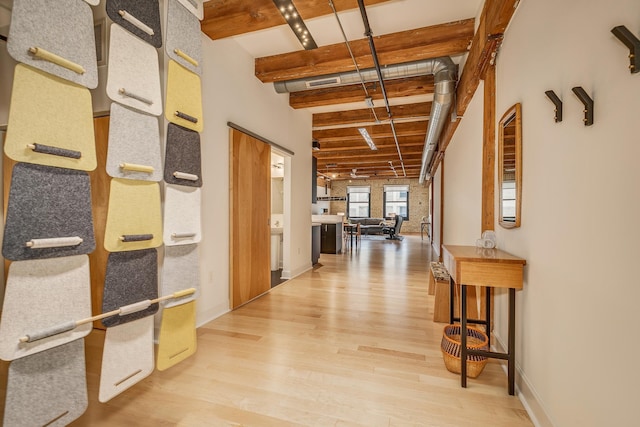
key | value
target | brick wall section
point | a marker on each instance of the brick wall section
(418, 199)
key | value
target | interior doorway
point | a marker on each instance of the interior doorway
(277, 218)
(250, 200)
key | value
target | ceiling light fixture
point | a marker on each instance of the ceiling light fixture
(367, 138)
(293, 18)
(392, 168)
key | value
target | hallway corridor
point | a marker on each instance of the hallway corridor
(349, 343)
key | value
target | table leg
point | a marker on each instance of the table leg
(487, 291)
(451, 300)
(512, 341)
(463, 336)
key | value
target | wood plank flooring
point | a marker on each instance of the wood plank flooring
(350, 343)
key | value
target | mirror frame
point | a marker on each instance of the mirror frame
(512, 114)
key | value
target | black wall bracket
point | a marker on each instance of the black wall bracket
(588, 104)
(557, 102)
(632, 42)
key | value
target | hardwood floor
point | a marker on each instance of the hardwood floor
(350, 343)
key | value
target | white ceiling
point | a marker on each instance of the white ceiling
(384, 18)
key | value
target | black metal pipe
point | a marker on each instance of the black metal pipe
(374, 53)
(376, 64)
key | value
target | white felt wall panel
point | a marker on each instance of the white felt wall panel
(181, 215)
(47, 202)
(181, 270)
(56, 37)
(127, 357)
(182, 156)
(131, 277)
(41, 294)
(50, 112)
(184, 43)
(146, 12)
(134, 140)
(47, 388)
(133, 77)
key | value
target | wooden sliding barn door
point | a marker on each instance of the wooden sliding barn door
(250, 211)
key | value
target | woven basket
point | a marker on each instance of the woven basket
(476, 339)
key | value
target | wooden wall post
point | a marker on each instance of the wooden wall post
(489, 151)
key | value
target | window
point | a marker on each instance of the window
(358, 199)
(396, 200)
(509, 200)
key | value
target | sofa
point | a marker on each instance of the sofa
(369, 225)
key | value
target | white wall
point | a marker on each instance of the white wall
(436, 221)
(232, 93)
(462, 178)
(576, 347)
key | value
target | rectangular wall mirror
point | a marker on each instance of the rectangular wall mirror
(510, 166)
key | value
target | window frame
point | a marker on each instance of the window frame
(354, 189)
(395, 189)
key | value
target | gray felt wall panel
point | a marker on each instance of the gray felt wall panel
(183, 35)
(131, 277)
(182, 155)
(47, 388)
(63, 28)
(181, 271)
(146, 11)
(134, 67)
(41, 294)
(133, 138)
(47, 202)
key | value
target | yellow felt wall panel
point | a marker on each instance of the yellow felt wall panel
(177, 339)
(184, 95)
(134, 209)
(50, 111)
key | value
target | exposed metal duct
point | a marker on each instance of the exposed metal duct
(444, 71)
(445, 86)
(408, 69)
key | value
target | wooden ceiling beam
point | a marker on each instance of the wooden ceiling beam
(354, 93)
(375, 131)
(338, 118)
(495, 17)
(408, 141)
(226, 18)
(448, 39)
(368, 165)
(367, 152)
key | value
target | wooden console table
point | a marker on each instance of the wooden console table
(492, 268)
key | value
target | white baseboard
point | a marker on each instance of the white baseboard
(210, 315)
(290, 274)
(525, 391)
